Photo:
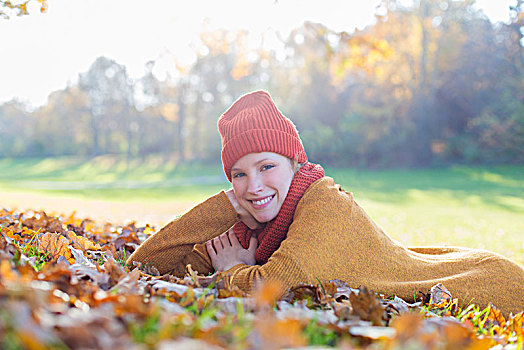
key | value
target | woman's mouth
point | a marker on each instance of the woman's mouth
(262, 202)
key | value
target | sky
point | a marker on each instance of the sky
(42, 53)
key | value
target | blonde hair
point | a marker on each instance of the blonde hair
(295, 165)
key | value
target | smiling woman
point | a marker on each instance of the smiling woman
(294, 225)
(261, 182)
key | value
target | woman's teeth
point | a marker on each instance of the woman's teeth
(263, 201)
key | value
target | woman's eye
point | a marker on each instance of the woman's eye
(237, 175)
(268, 166)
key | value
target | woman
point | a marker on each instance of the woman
(284, 220)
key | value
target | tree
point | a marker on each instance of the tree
(19, 8)
(60, 125)
(16, 130)
(111, 103)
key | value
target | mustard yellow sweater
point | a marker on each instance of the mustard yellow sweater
(332, 237)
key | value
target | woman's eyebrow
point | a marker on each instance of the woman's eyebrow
(260, 161)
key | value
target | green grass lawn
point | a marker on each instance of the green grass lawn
(481, 207)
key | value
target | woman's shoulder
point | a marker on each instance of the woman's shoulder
(322, 183)
(326, 185)
(325, 190)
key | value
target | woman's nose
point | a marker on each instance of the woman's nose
(254, 184)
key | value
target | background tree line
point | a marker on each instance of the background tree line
(429, 84)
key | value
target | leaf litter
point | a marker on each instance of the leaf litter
(64, 285)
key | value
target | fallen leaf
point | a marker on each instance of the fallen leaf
(367, 306)
(82, 243)
(400, 306)
(496, 316)
(515, 324)
(114, 270)
(55, 244)
(439, 293)
(304, 292)
(277, 334)
(128, 284)
(80, 258)
(267, 293)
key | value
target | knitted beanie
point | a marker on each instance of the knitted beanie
(254, 124)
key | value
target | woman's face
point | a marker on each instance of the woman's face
(261, 182)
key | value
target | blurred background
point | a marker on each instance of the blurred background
(416, 106)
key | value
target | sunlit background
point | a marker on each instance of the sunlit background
(415, 106)
(435, 81)
(49, 50)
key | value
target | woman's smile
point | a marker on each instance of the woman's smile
(263, 203)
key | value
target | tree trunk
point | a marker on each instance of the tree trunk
(179, 139)
(95, 149)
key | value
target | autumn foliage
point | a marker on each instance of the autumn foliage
(64, 284)
(19, 8)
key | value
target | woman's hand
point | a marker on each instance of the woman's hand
(228, 252)
(244, 215)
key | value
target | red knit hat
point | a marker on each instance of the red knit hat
(254, 124)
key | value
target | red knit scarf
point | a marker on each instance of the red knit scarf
(275, 231)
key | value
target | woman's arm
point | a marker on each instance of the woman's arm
(171, 248)
(302, 255)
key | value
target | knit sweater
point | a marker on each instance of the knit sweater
(332, 237)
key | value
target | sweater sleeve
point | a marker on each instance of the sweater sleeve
(176, 244)
(332, 237)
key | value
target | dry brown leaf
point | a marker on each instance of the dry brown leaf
(329, 288)
(515, 324)
(304, 292)
(128, 284)
(55, 244)
(114, 270)
(496, 315)
(343, 310)
(400, 306)
(79, 304)
(439, 293)
(343, 290)
(407, 325)
(83, 243)
(367, 306)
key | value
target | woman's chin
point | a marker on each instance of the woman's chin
(265, 218)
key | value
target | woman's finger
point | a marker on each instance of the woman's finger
(212, 253)
(233, 238)
(225, 240)
(218, 243)
(210, 250)
(253, 244)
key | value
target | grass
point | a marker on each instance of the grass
(480, 207)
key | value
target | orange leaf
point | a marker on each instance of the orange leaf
(6, 272)
(55, 244)
(496, 315)
(267, 293)
(82, 242)
(515, 323)
(278, 333)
